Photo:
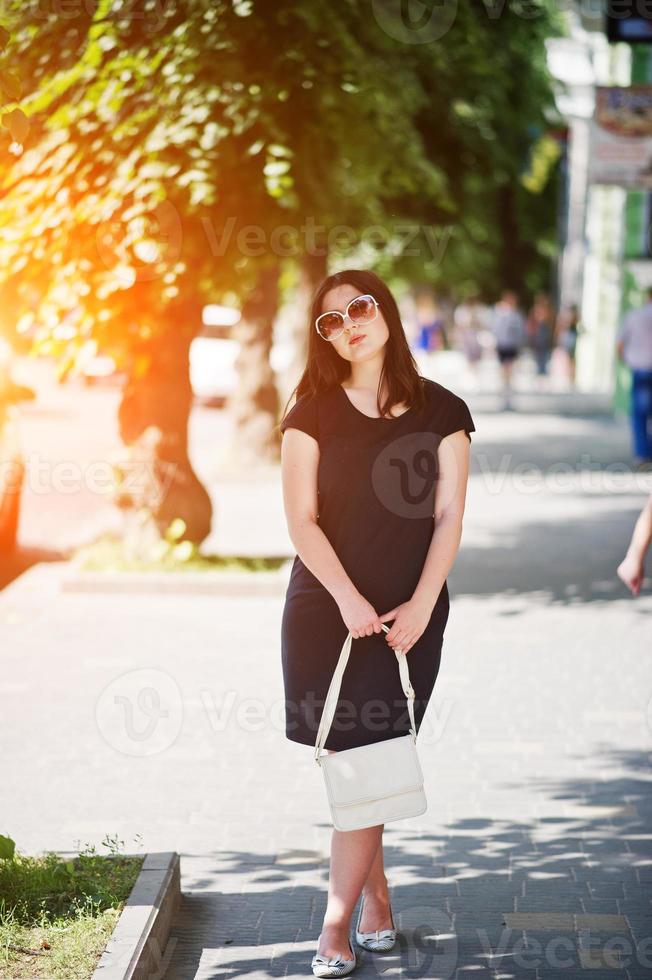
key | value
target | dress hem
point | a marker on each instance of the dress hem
(300, 741)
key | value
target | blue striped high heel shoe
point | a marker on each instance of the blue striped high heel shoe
(332, 966)
(378, 941)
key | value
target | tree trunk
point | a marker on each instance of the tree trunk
(314, 267)
(254, 404)
(312, 271)
(162, 397)
(516, 255)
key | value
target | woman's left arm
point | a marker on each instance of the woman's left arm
(412, 617)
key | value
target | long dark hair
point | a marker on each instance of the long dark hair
(325, 368)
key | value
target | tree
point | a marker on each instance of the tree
(154, 155)
(192, 152)
(486, 98)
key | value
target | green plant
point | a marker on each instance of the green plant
(39, 889)
(142, 548)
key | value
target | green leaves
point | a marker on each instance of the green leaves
(260, 116)
(11, 88)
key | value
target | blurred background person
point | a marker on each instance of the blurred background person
(469, 324)
(431, 331)
(508, 328)
(632, 568)
(540, 329)
(634, 348)
(567, 330)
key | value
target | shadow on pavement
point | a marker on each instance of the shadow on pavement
(562, 896)
(565, 561)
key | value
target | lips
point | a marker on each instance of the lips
(356, 338)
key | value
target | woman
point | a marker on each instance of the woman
(366, 445)
(508, 328)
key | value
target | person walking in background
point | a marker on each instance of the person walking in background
(632, 568)
(540, 326)
(508, 328)
(567, 330)
(634, 348)
(431, 334)
(469, 323)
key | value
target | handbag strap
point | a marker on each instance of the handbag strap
(332, 696)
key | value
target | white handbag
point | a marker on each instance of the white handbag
(376, 783)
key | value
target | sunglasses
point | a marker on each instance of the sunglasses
(361, 309)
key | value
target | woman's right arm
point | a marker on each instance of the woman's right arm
(299, 462)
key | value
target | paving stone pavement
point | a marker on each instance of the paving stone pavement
(163, 717)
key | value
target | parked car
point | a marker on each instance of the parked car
(214, 351)
(213, 354)
(212, 358)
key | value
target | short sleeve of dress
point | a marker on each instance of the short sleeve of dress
(457, 416)
(303, 415)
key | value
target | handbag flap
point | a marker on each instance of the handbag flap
(373, 771)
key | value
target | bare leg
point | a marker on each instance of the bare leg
(353, 853)
(504, 372)
(375, 911)
(507, 367)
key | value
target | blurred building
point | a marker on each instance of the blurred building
(606, 259)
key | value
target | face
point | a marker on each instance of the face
(374, 335)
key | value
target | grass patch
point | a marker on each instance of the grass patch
(111, 554)
(56, 915)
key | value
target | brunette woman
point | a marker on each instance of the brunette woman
(375, 462)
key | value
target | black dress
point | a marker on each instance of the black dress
(376, 492)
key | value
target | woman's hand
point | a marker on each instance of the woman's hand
(632, 572)
(410, 621)
(359, 616)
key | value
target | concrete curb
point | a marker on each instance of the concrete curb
(189, 583)
(137, 947)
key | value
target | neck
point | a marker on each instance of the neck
(366, 374)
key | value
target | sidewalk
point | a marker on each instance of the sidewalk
(534, 858)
